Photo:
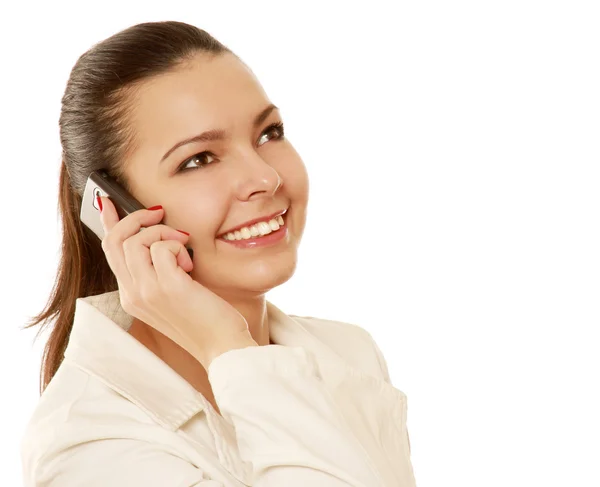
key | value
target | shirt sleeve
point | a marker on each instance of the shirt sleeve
(385, 374)
(287, 424)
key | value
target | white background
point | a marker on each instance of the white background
(453, 150)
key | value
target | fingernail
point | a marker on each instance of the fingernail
(184, 232)
(157, 207)
(99, 200)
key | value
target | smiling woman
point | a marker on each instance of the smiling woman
(157, 375)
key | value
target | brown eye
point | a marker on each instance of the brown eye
(277, 128)
(201, 156)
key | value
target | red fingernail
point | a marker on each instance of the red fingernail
(184, 232)
(99, 200)
(157, 207)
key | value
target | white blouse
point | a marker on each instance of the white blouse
(315, 409)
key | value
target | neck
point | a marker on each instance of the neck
(254, 310)
(182, 362)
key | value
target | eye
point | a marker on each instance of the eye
(276, 128)
(200, 156)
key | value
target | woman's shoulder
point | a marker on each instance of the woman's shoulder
(76, 408)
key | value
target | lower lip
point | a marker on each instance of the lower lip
(265, 241)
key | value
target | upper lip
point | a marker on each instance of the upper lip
(255, 220)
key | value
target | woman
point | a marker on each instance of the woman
(176, 370)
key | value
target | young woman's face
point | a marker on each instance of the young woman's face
(208, 187)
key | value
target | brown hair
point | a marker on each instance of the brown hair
(94, 135)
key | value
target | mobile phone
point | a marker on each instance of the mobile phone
(101, 183)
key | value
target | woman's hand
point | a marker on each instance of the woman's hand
(151, 270)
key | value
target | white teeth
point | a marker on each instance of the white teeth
(259, 229)
(263, 228)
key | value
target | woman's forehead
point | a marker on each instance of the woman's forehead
(218, 90)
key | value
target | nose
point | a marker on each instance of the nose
(256, 178)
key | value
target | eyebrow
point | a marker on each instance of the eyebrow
(212, 135)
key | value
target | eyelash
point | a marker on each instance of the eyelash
(181, 168)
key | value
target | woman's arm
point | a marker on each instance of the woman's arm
(287, 424)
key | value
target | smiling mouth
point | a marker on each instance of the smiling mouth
(255, 223)
(257, 230)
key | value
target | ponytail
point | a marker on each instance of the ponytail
(82, 271)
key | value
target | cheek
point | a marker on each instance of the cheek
(203, 211)
(295, 179)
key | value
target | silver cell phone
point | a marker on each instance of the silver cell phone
(101, 183)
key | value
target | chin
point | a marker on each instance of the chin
(256, 278)
(261, 279)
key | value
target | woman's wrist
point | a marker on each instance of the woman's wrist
(218, 347)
